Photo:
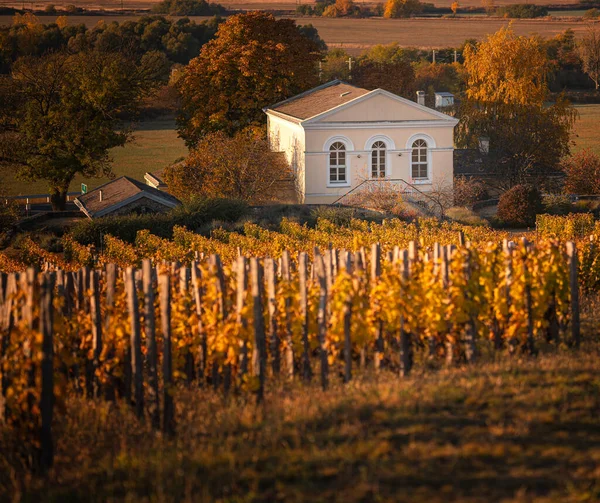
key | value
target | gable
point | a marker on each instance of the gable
(380, 108)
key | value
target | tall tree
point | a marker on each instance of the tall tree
(255, 60)
(62, 113)
(505, 102)
(589, 51)
(238, 167)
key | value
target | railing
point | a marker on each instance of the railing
(406, 188)
(37, 198)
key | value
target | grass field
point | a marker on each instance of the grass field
(156, 145)
(355, 35)
(587, 132)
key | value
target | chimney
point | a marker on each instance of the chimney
(484, 145)
(421, 97)
(100, 194)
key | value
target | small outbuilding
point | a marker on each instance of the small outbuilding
(125, 196)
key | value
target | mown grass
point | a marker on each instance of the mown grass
(515, 429)
(155, 146)
(586, 131)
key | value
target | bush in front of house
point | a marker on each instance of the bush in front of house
(519, 206)
(582, 173)
(468, 191)
(192, 215)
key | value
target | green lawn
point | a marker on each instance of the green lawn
(155, 145)
(587, 133)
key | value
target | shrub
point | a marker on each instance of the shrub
(192, 215)
(520, 205)
(465, 216)
(582, 172)
(340, 216)
(9, 213)
(557, 204)
(468, 191)
(522, 11)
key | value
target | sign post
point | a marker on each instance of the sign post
(83, 188)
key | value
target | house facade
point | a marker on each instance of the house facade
(336, 136)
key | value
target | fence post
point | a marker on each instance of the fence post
(303, 285)
(320, 269)
(184, 280)
(574, 288)
(164, 287)
(271, 277)
(150, 331)
(289, 349)
(136, 345)
(47, 371)
(528, 306)
(259, 363)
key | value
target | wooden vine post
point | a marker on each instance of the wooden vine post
(151, 351)
(375, 273)
(136, 342)
(286, 276)
(271, 278)
(168, 417)
(202, 350)
(530, 344)
(47, 372)
(574, 289)
(241, 288)
(322, 319)
(406, 359)
(303, 285)
(96, 330)
(259, 357)
(347, 265)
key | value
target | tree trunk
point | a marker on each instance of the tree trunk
(58, 196)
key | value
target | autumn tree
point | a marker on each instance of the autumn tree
(402, 8)
(582, 173)
(505, 102)
(589, 51)
(241, 166)
(254, 61)
(454, 7)
(60, 114)
(342, 8)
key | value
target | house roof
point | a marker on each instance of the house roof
(318, 100)
(118, 193)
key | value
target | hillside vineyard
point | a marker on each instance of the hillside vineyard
(119, 332)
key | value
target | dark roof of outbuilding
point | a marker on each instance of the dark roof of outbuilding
(118, 192)
(318, 100)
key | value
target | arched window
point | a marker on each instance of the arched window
(419, 160)
(337, 163)
(378, 161)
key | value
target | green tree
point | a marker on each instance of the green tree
(254, 61)
(505, 102)
(62, 113)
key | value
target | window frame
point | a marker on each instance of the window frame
(348, 148)
(429, 145)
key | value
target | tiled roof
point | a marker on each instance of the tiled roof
(318, 100)
(116, 192)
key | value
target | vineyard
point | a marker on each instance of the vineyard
(236, 314)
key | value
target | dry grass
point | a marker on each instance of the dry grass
(156, 145)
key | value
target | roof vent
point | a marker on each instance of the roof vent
(100, 194)
(345, 94)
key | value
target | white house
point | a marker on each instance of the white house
(337, 135)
